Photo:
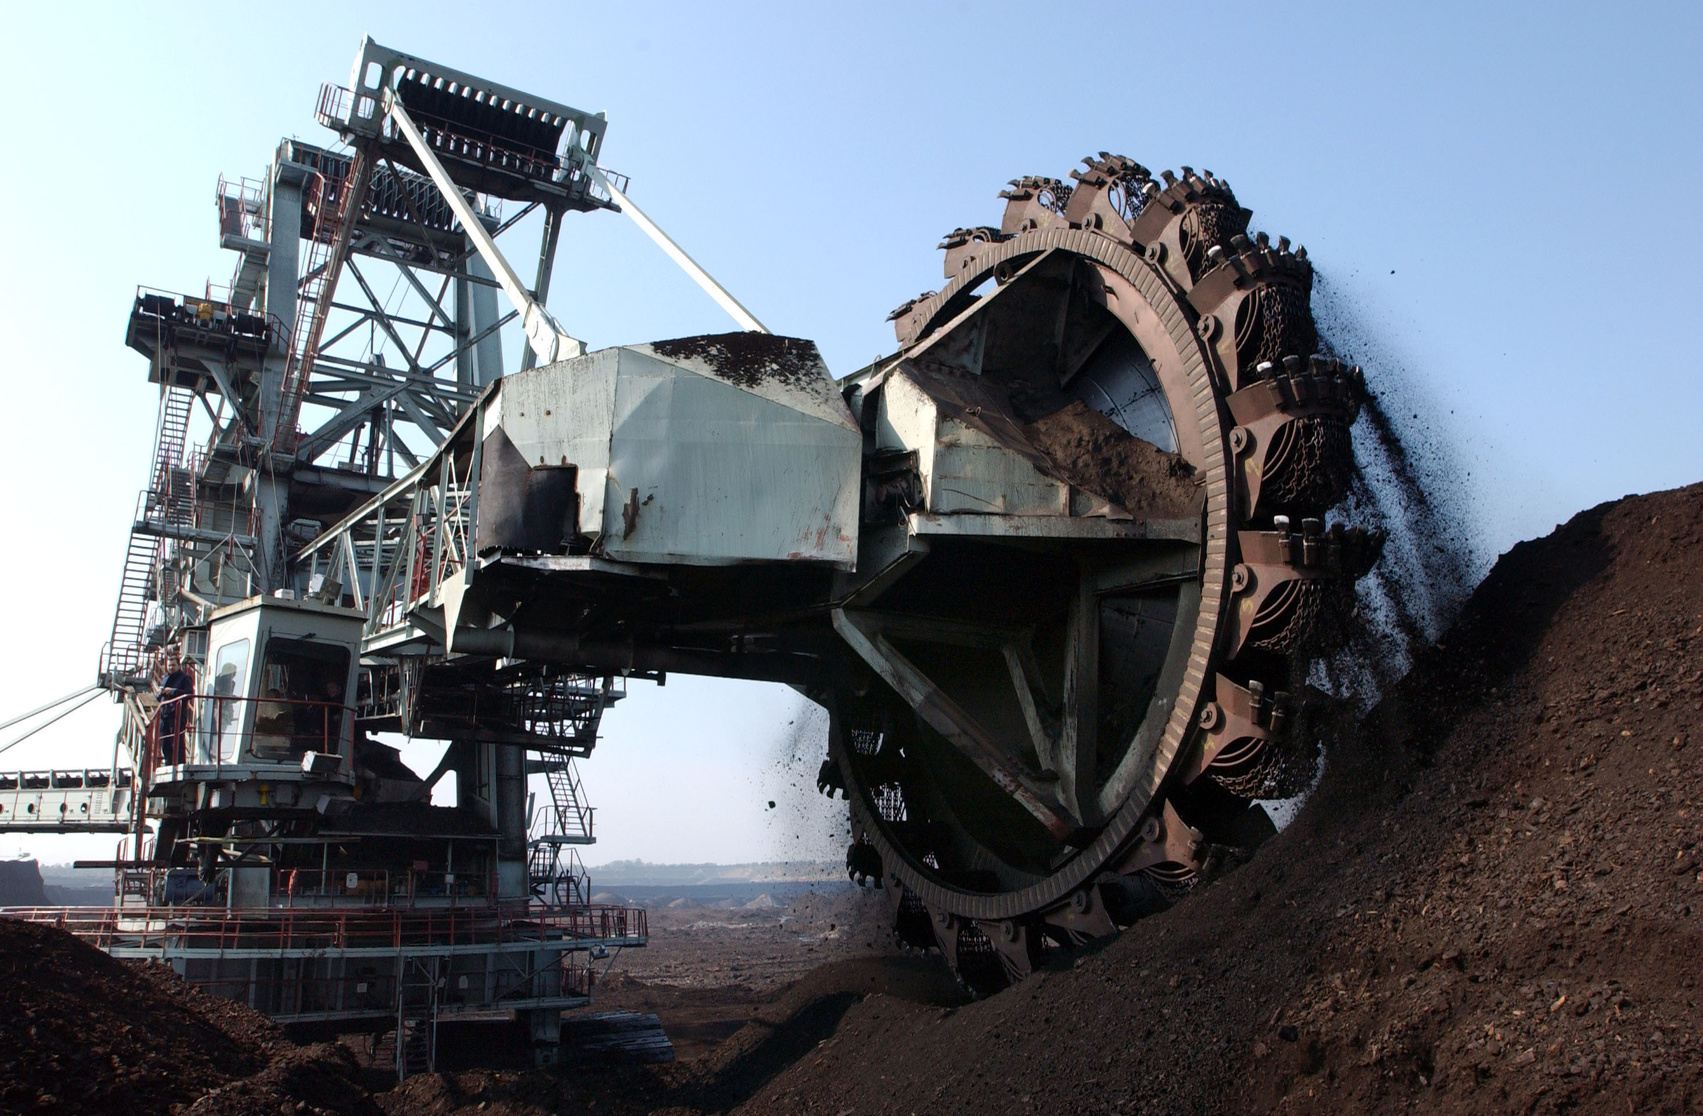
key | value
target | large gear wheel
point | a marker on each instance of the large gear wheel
(1061, 735)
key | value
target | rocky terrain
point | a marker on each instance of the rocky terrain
(1493, 902)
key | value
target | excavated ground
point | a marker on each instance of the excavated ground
(83, 1033)
(1492, 903)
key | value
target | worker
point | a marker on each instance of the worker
(319, 719)
(175, 691)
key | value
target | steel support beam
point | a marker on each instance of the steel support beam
(747, 320)
(546, 336)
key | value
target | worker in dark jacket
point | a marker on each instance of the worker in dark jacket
(176, 690)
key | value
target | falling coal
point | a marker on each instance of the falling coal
(1410, 483)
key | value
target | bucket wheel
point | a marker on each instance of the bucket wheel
(1053, 734)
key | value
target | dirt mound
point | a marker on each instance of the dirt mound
(82, 1032)
(777, 1031)
(1490, 904)
(319, 1079)
(799, 1026)
(696, 1019)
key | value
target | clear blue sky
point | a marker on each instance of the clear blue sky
(1505, 194)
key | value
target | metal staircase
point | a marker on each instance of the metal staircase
(414, 1043)
(555, 873)
(338, 204)
(167, 496)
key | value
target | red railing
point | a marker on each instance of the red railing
(299, 928)
(210, 723)
(341, 887)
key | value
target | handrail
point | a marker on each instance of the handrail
(211, 724)
(275, 325)
(205, 726)
(310, 928)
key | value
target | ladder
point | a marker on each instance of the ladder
(124, 651)
(171, 433)
(573, 815)
(339, 202)
(415, 1040)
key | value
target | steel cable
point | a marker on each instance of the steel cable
(58, 717)
(73, 695)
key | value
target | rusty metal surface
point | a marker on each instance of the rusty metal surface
(702, 451)
(1083, 568)
(1216, 324)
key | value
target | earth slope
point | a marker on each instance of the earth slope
(1491, 904)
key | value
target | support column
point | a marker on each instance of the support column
(463, 315)
(271, 505)
(546, 263)
(271, 492)
(511, 821)
(488, 353)
(284, 232)
(473, 776)
(546, 1027)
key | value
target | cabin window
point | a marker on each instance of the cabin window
(301, 698)
(230, 676)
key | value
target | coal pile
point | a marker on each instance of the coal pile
(81, 1032)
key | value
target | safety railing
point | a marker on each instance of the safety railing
(381, 886)
(277, 929)
(242, 207)
(595, 189)
(323, 989)
(156, 886)
(175, 502)
(332, 108)
(203, 729)
(173, 318)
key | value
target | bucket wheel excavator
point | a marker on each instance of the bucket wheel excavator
(1097, 474)
(1057, 567)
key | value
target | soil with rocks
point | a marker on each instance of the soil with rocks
(757, 948)
(1493, 902)
(784, 1030)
